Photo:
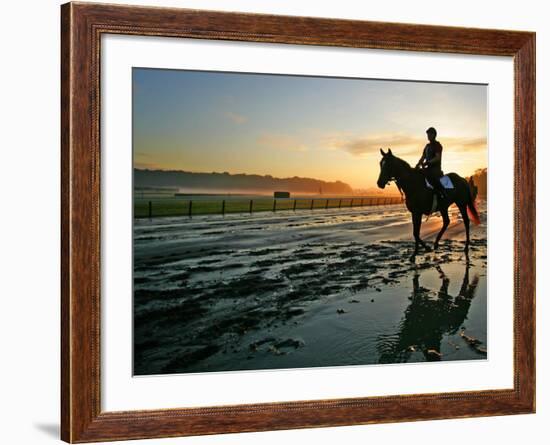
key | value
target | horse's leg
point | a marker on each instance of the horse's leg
(417, 234)
(416, 220)
(466, 220)
(446, 221)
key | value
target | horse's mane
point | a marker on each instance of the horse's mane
(402, 162)
(404, 165)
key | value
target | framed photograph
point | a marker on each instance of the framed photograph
(274, 222)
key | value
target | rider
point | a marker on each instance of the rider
(430, 162)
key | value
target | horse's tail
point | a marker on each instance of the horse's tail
(471, 207)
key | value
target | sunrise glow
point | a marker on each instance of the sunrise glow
(285, 126)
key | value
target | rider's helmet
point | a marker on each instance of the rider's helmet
(431, 130)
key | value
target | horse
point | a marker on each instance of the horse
(419, 198)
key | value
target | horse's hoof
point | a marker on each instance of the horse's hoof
(436, 246)
(412, 258)
(428, 248)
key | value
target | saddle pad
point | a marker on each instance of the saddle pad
(445, 182)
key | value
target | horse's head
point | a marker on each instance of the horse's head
(386, 168)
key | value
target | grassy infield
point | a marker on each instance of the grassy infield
(176, 206)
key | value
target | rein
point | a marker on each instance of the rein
(394, 179)
(398, 187)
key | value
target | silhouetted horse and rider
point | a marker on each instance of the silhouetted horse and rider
(419, 198)
(427, 320)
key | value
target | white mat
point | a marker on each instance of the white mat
(445, 182)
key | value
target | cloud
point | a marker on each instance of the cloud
(144, 161)
(146, 166)
(466, 144)
(401, 144)
(364, 145)
(235, 117)
(281, 142)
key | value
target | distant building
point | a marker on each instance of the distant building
(281, 194)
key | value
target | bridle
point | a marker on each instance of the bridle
(394, 179)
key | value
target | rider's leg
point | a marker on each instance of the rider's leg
(434, 176)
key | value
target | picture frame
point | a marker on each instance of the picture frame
(82, 26)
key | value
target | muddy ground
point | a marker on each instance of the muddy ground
(304, 289)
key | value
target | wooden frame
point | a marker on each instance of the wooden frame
(82, 26)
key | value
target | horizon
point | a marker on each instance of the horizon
(475, 172)
(287, 126)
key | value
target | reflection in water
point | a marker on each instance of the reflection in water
(270, 291)
(427, 319)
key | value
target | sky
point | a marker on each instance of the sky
(284, 126)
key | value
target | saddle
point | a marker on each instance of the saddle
(445, 182)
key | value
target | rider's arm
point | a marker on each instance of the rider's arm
(435, 159)
(421, 160)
